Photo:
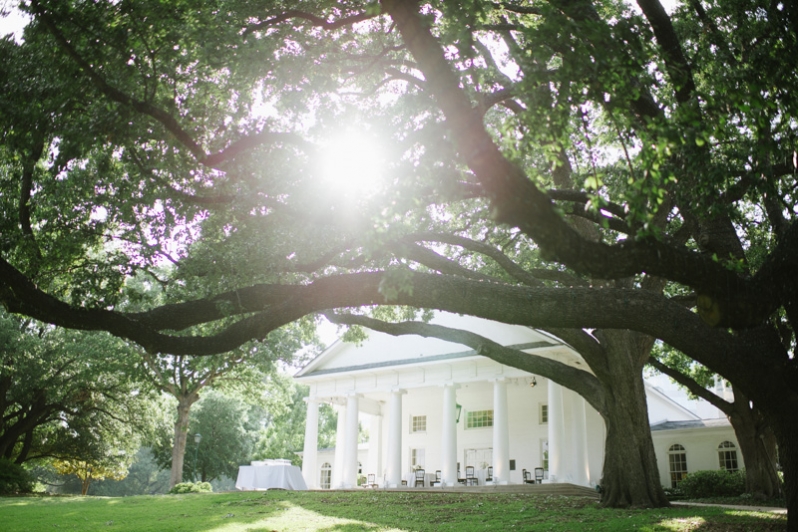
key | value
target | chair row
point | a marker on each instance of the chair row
(420, 475)
(538, 476)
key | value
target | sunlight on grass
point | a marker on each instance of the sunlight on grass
(297, 518)
(683, 524)
(20, 503)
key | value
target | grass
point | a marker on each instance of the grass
(361, 511)
(741, 500)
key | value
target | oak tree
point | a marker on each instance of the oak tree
(188, 134)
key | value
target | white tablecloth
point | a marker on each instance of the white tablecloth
(273, 475)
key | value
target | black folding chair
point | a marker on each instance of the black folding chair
(471, 479)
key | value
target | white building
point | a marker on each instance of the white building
(441, 406)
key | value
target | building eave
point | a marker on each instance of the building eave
(460, 355)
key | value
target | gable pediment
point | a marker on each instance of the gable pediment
(382, 350)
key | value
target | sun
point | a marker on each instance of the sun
(352, 164)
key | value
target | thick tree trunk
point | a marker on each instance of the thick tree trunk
(630, 476)
(757, 447)
(84, 485)
(786, 431)
(180, 435)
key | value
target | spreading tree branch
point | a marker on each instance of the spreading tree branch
(695, 388)
(729, 300)
(314, 20)
(577, 380)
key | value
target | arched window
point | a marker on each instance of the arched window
(677, 462)
(326, 476)
(727, 455)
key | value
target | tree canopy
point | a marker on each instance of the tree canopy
(563, 164)
(283, 433)
(228, 428)
(67, 396)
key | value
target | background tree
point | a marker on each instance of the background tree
(229, 429)
(66, 395)
(114, 468)
(144, 477)
(242, 372)
(284, 431)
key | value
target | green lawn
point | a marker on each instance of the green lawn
(356, 511)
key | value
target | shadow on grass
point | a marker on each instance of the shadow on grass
(365, 511)
(727, 520)
(426, 511)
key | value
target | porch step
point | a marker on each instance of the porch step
(564, 489)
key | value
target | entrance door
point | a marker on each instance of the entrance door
(479, 458)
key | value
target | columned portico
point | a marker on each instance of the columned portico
(375, 447)
(340, 439)
(394, 466)
(349, 479)
(578, 435)
(309, 462)
(501, 433)
(568, 457)
(449, 435)
(556, 431)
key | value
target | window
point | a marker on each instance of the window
(479, 418)
(326, 476)
(544, 414)
(512, 464)
(418, 424)
(677, 461)
(417, 457)
(727, 454)
(544, 454)
(359, 469)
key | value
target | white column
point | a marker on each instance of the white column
(578, 435)
(449, 436)
(375, 448)
(340, 442)
(501, 433)
(556, 431)
(394, 466)
(309, 463)
(350, 449)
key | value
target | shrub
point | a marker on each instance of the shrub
(192, 487)
(717, 483)
(14, 478)
(674, 494)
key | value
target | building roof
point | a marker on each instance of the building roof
(381, 351)
(434, 358)
(691, 424)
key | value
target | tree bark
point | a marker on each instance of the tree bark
(757, 445)
(787, 437)
(184, 403)
(630, 476)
